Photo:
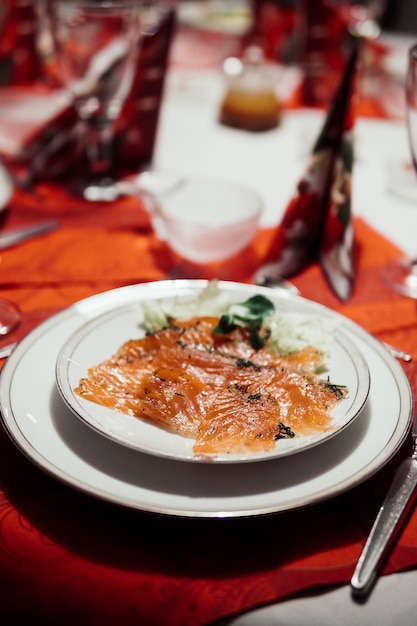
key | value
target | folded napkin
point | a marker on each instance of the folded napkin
(317, 224)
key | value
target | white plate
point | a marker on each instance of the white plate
(100, 338)
(44, 429)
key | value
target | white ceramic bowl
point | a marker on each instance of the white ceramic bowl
(204, 220)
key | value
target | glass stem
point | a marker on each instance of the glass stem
(99, 150)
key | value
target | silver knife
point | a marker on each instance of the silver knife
(397, 504)
(16, 235)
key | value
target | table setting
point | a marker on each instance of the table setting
(106, 518)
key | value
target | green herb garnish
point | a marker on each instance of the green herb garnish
(338, 390)
(250, 314)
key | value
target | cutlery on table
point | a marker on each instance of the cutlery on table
(398, 354)
(397, 504)
(17, 235)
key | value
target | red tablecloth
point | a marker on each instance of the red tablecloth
(67, 558)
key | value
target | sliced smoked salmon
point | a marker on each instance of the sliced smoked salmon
(216, 388)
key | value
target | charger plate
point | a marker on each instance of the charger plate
(47, 432)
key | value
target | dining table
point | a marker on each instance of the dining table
(71, 555)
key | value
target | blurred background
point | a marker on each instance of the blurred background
(400, 15)
(303, 46)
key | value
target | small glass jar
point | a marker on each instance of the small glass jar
(250, 101)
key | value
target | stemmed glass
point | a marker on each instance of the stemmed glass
(401, 274)
(95, 44)
(10, 315)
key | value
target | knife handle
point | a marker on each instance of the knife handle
(397, 503)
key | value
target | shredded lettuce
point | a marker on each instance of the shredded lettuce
(211, 302)
(291, 332)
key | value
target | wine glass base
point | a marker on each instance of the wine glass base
(10, 316)
(101, 190)
(401, 276)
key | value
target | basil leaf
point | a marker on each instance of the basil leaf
(225, 326)
(250, 314)
(259, 306)
(255, 338)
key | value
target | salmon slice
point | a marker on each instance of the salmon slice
(252, 412)
(217, 389)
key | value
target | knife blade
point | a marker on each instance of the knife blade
(17, 235)
(392, 513)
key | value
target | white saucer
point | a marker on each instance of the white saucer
(100, 338)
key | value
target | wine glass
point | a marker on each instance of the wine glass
(401, 274)
(95, 44)
(9, 312)
(10, 315)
